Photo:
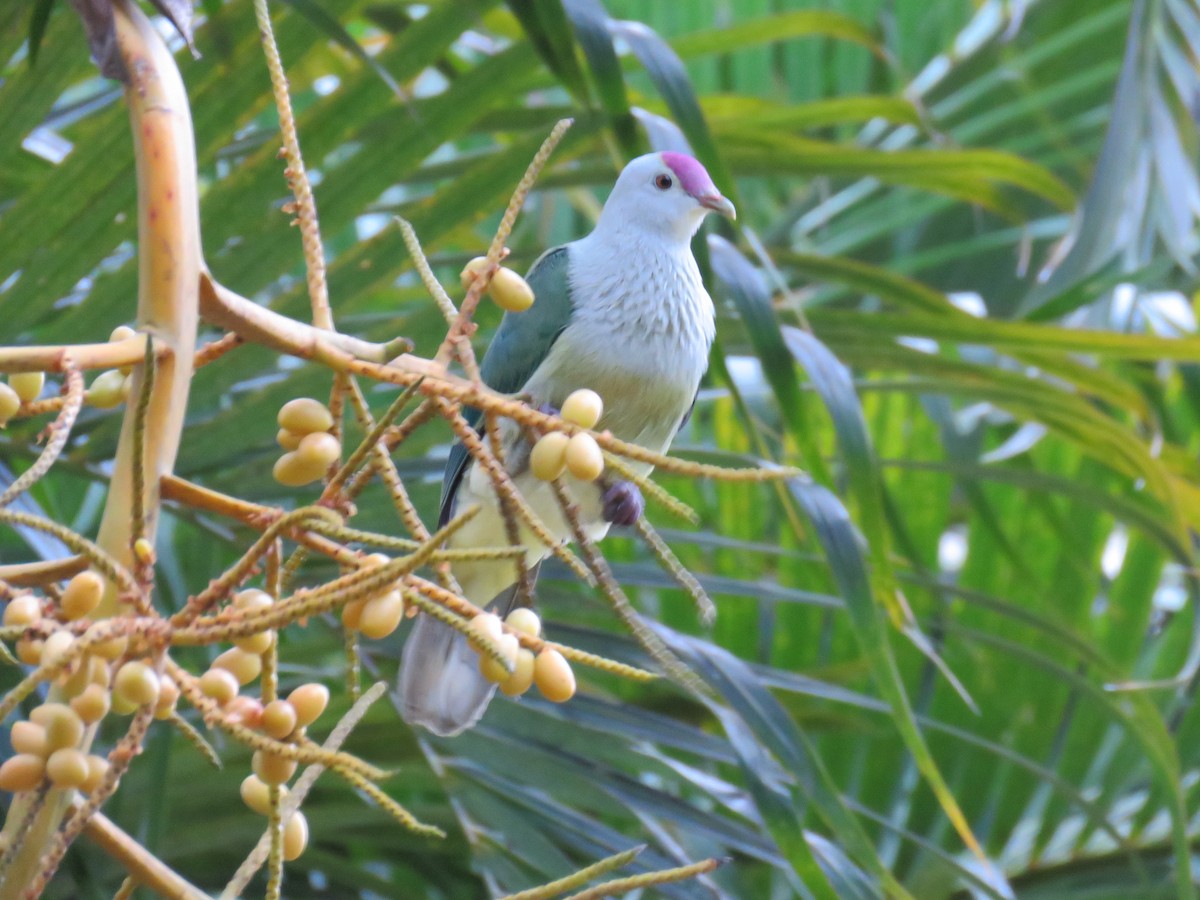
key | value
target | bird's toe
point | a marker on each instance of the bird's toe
(623, 503)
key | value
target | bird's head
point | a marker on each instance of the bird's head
(665, 193)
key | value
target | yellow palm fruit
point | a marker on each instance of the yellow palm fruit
(291, 470)
(27, 385)
(9, 403)
(522, 677)
(107, 390)
(67, 768)
(288, 440)
(472, 270)
(583, 407)
(56, 647)
(381, 615)
(245, 667)
(524, 620)
(82, 594)
(97, 769)
(548, 457)
(220, 685)
(271, 768)
(63, 726)
(319, 449)
(22, 610)
(22, 772)
(511, 292)
(92, 704)
(583, 457)
(28, 737)
(492, 669)
(137, 684)
(553, 676)
(304, 415)
(309, 701)
(257, 795)
(278, 719)
(295, 836)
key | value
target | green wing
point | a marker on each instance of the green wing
(521, 343)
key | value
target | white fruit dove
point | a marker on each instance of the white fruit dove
(622, 312)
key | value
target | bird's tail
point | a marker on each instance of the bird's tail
(440, 686)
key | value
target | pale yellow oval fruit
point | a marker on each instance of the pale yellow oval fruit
(121, 706)
(98, 670)
(257, 795)
(252, 598)
(22, 610)
(271, 768)
(291, 470)
(553, 676)
(219, 685)
(288, 440)
(352, 614)
(522, 677)
(143, 552)
(82, 594)
(295, 836)
(304, 415)
(9, 403)
(56, 647)
(511, 292)
(584, 459)
(583, 407)
(244, 666)
(309, 701)
(137, 683)
(97, 769)
(28, 737)
(67, 768)
(122, 333)
(258, 644)
(524, 620)
(547, 459)
(168, 697)
(492, 669)
(22, 772)
(92, 704)
(319, 449)
(29, 652)
(472, 270)
(374, 560)
(111, 650)
(278, 719)
(488, 625)
(381, 615)
(63, 726)
(107, 390)
(27, 385)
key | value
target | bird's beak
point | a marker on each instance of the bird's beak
(718, 204)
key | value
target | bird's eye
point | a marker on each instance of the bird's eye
(663, 182)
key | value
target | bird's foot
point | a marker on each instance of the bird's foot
(548, 409)
(623, 503)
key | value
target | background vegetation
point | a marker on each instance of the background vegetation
(958, 293)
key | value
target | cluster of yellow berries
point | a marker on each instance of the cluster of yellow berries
(509, 290)
(304, 426)
(22, 387)
(579, 454)
(111, 388)
(549, 670)
(377, 616)
(47, 745)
